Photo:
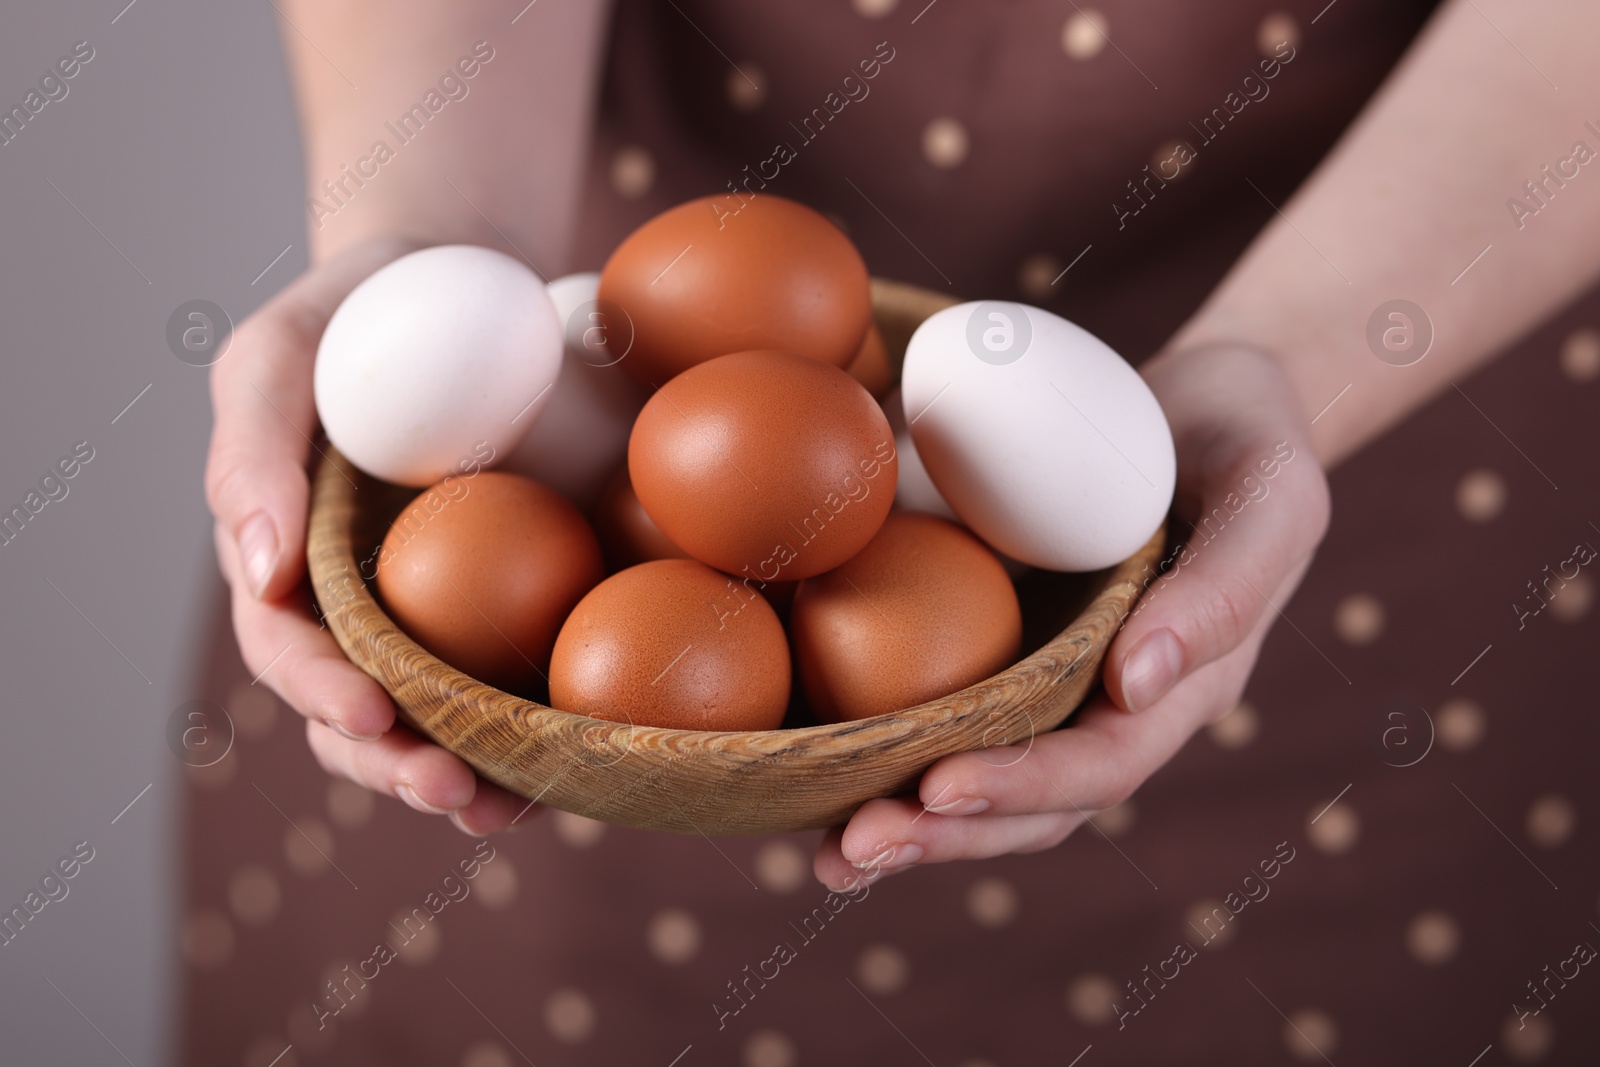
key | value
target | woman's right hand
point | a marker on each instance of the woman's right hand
(258, 489)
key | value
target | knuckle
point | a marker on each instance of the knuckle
(1224, 615)
(1054, 836)
(1118, 791)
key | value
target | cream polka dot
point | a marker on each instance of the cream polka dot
(1084, 35)
(349, 805)
(570, 1016)
(1460, 724)
(781, 866)
(1277, 29)
(1169, 164)
(1037, 275)
(1580, 355)
(1358, 619)
(1335, 831)
(1114, 822)
(1090, 998)
(342, 984)
(747, 87)
(486, 1054)
(206, 940)
(882, 969)
(217, 775)
(1310, 1035)
(576, 830)
(419, 930)
(1212, 922)
(768, 1048)
(254, 895)
(1572, 601)
(496, 885)
(1237, 728)
(992, 902)
(944, 143)
(673, 936)
(253, 709)
(1433, 937)
(1480, 495)
(271, 1050)
(633, 171)
(1551, 821)
(1527, 1040)
(308, 847)
(873, 9)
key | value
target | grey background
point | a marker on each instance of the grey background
(177, 141)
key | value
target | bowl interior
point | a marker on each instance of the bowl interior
(1050, 600)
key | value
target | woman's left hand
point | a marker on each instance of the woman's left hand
(1181, 660)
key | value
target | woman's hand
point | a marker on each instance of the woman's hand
(1181, 661)
(258, 490)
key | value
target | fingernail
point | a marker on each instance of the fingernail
(460, 824)
(258, 548)
(343, 731)
(1151, 670)
(409, 795)
(960, 806)
(902, 855)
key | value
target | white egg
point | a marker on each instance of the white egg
(434, 358)
(914, 491)
(1044, 440)
(582, 437)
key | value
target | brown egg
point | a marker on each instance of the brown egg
(766, 465)
(721, 274)
(482, 571)
(673, 643)
(628, 535)
(924, 610)
(870, 367)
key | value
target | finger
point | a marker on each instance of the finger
(400, 764)
(1096, 763)
(265, 415)
(285, 650)
(1260, 507)
(1105, 755)
(839, 874)
(493, 809)
(896, 832)
(1024, 798)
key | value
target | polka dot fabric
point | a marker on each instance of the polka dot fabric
(1412, 766)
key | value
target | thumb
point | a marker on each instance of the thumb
(265, 419)
(1252, 506)
(1219, 580)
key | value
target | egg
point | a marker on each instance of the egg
(723, 274)
(628, 535)
(870, 366)
(481, 571)
(441, 352)
(1041, 438)
(923, 611)
(914, 490)
(672, 643)
(582, 432)
(766, 465)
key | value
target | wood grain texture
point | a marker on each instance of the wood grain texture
(696, 781)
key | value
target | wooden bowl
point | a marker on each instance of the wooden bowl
(691, 781)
